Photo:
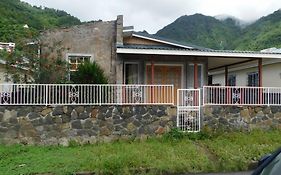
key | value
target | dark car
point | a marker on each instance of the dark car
(269, 164)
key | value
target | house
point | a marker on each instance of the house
(151, 74)
(129, 57)
(246, 74)
(9, 47)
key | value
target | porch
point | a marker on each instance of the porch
(186, 68)
(180, 71)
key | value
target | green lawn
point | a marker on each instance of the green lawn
(192, 153)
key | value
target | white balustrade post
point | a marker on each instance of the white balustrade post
(100, 95)
(46, 95)
(268, 95)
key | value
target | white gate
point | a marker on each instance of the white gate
(188, 110)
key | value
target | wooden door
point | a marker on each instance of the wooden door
(165, 74)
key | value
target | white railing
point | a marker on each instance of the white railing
(234, 95)
(188, 110)
(85, 94)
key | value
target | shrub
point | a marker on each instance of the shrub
(174, 134)
(89, 73)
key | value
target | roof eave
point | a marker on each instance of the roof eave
(196, 53)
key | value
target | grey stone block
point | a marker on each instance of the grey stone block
(58, 110)
(83, 115)
(33, 115)
(88, 124)
(65, 118)
(76, 124)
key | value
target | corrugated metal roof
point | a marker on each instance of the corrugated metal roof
(153, 47)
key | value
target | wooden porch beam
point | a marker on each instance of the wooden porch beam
(260, 71)
(241, 62)
(226, 75)
(195, 76)
(152, 72)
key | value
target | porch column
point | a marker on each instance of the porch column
(152, 72)
(119, 72)
(226, 76)
(260, 71)
(195, 76)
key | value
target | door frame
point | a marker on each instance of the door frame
(165, 64)
(124, 72)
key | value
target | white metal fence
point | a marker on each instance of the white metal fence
(188, 110)
(234, 95)
(85, 94)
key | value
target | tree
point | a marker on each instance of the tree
(26, 65)
(89, 73)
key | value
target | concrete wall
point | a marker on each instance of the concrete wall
(271, 76)
(95, 38)
(84, 124)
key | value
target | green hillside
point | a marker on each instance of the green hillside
(264, 33)
(210, 32)
(14, 14)
(202, 30)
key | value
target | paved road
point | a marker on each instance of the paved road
(236, 173)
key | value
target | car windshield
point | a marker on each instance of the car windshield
(274, 167)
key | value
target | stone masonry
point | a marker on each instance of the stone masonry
(83, 124)
(242, 117)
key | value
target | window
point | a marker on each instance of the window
(75, 60)
(231, 80)
(131, 73)
(253, 79)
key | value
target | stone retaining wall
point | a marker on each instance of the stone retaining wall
(91, 124)
(246, 117)
(84, 124)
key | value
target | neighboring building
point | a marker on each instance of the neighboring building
(246, 74)
(129, 57)
(9, 47)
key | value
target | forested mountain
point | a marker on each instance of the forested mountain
(14, 14)
(264, 33)
(210, 32)
(202, 30)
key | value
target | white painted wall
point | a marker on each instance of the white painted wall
(271, 75)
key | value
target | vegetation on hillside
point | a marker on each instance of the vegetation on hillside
(202, 30)
(190, 153)
(264, 33)
(212, 33)
(21, 23)
(14, 14)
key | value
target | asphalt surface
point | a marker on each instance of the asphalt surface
(234, 173)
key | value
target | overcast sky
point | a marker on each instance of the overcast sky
(152, 15)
